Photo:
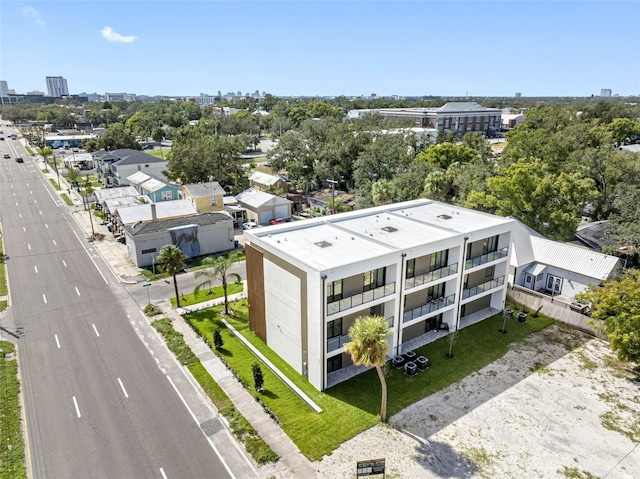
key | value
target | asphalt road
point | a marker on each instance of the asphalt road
(96, 402)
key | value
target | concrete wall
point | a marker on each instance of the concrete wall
(556, 310)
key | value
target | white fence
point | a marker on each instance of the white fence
(557, 310)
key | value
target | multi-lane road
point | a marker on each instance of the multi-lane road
(96, 402)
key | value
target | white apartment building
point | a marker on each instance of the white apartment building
(57, 86)
(421, 264)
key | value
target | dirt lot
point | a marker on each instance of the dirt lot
(557, 406)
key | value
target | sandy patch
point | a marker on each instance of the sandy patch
(554, 406)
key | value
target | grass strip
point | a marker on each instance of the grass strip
(66, 199)
(207, 294)
(3, 278)
(356, 402)
(241, 428)
(55, 184)
(12, 447)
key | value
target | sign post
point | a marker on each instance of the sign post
(146, 285)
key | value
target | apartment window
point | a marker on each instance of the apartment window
(334, 363)
(167, 195)
(334, 328)
(488, 272)
(334, 291)
(438, 260)
(411, 268)
(468, 254)
(373, 279)
(213, 201)
(147, 251)
(489, 245)
(377, 310)
(435, 292)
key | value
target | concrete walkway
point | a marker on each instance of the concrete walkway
(296, 464)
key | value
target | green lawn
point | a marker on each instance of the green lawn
(66, 199)
(215, 292)
(3, 279)
(55, 184)
(353, 406)
(12, 450)
(254, 444)
(158, 153)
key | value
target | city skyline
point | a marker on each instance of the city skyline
(324, 48)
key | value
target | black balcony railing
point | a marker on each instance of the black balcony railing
(429, 307)
(361, 298)
(486, 258)
(481, 288)
(434, 275)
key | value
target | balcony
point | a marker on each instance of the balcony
(481, 288)
(486, 258)
(361, 298)
(421, 279)
(337, 342)
(430, 307)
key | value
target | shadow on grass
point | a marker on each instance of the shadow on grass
(269, 394)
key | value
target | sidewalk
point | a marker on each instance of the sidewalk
(296, 464)
(292, 463)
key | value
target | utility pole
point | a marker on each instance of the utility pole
(333, 195)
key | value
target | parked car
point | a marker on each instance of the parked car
(7, 155)
(19, 159)
(277, 221)
(249, 224)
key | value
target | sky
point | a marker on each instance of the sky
(407, 48)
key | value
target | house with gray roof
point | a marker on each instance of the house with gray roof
(263, 207)
(196, 235)
(115, 166)
(204, 197)
(155, 189)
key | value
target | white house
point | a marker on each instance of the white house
(421, 264)
(262, 207)
(116, 166)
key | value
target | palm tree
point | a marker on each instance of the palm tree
(170, 259)
(217, 268)
(368, 347)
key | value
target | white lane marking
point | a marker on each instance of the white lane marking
(94, 263)
(64, 263)
(16, 203)
(46, 225)
(24, 229)
(123, 389)
(39, 212)
(54, 243)
(75, 403)
(77, 292)
(35, 201)
(95, 329)
(45, 298)
(19, 215)
(36, 268)
(30, 192)
(163, 474)
(57, 342)
(29, 246)
(193, 416)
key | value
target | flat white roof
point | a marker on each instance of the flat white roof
(332, 241)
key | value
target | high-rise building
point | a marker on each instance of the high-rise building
(57, 86)
(605, 92)
(518, 95)
(4, 88)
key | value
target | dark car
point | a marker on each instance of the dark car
(7, 155)
(19, 159)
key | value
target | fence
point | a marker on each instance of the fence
(557, 310)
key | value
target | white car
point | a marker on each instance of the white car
(249, 224)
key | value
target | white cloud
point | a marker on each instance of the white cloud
(34, 15)
(112, 36)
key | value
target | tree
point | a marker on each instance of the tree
(258, 378)
(218, 342)
(45, 152)
(170, 259)
(445, 154)
(217, 268)
(117, 137)
(73, 176)
(382, 192)
(368, 347)
(617, 304)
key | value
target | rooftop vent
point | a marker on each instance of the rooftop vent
(444, 217)
(323, 244)
(389, 229)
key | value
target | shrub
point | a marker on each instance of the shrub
(258, 378)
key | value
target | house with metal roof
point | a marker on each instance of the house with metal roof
(263, 181)
(155, 189)
(196, 235)
(559, 270)
(428, 267)
(263, 207)
(204, 197)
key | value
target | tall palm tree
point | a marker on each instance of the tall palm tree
(170, 259)
(368, 347)
(218, 268)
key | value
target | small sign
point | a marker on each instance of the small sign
(146, 284)
(371, 467)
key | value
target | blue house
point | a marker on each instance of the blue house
(156, 189)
